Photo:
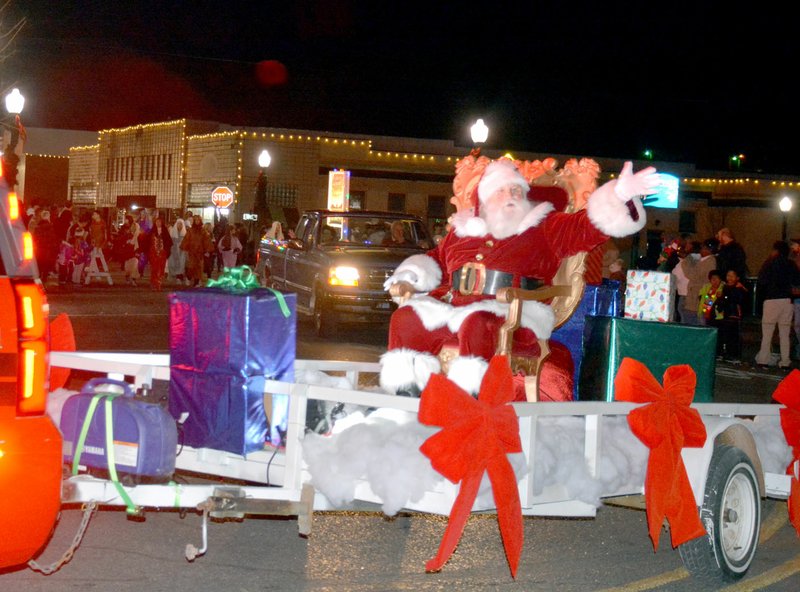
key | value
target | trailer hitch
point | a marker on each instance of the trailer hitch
(231, 503)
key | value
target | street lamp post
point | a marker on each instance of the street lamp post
(14, 104)
(786, 206)
(479, 133)
(260, 205)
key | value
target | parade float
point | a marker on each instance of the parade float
(298, 436)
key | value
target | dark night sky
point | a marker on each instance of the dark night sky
(691, 83)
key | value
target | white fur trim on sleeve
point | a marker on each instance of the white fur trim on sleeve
(610, 215)
(427, 270)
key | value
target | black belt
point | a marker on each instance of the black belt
(475, 279)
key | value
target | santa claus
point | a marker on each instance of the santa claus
(506, 240)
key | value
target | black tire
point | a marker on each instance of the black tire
(324, 320)
(731, 514)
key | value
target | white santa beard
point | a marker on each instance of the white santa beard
(503, 221)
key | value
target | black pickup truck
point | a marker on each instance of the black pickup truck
(337, 262)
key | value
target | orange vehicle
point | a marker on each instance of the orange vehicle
(30, 445)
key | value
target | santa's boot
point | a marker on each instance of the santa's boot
(467, 372)
(406, 372)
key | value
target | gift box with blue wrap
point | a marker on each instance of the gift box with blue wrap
(223, 345)
(604, 300)
(607, 340)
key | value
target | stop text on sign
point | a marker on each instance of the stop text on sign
(222, 197)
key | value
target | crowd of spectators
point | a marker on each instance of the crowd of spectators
(181, 250)
(710, 276)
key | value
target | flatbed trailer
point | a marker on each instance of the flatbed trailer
(727, 475)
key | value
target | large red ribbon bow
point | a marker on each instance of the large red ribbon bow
(476, 436)
(665, 426)
(788, 393)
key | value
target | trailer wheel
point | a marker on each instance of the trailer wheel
(324, 320)
(731, 514)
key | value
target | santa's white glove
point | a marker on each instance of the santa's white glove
(405, 275)
(630, 184)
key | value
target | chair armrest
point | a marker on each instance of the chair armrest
(514, 297)
(507, 295)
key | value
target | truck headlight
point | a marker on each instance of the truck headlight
(343, 276)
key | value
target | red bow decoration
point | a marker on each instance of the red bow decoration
(788, 393)
(476, 436)
(665, 426)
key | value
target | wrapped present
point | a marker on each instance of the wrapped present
(223, 345)
(604, 299)
(225, 411)
(607, 340)
(649, 295)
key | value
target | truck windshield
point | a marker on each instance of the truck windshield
(374, 231)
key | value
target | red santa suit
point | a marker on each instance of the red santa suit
(453, 310)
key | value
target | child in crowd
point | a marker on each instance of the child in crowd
(730, 304)
(65, 262)
(81, 255)
(709, 294)
(129, 251)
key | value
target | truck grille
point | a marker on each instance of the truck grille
(375, 277)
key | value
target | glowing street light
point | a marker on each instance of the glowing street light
(264, 159)
(479, 132)
(15, 102)
(786, 206)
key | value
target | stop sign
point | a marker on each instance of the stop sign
(222, 197)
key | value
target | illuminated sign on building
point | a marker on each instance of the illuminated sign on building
(338, 190)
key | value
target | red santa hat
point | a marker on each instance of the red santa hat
(499, 174)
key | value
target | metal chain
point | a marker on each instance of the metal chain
(88, 512)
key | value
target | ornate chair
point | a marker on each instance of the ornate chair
(567, 188)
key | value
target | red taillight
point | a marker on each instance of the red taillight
(13, 203)
(27, 246)
(32, 311)
(33, 370)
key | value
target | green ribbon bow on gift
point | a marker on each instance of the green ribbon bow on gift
(243, 279)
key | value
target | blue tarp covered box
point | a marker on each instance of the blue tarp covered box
(223, 345)
(598, 300)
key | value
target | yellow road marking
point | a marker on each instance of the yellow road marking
(652, 582)
(776, 574)
(776, 520)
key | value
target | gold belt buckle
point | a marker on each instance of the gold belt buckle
(473, 279)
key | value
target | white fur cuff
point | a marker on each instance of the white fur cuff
(610, 215)
(427, 270)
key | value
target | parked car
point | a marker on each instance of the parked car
(337, 262)
(30, 445)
